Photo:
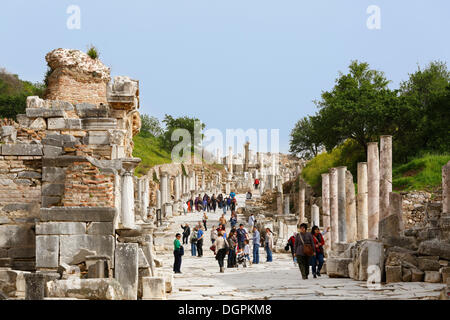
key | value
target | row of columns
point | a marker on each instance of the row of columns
(353, 217)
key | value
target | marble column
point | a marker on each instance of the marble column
(230, 160)
(145, 196)
(158, 199)
(363, 232)
(334, 206)
(246, 156)
(326, 207)
(315, 216)
(446, 188)
(164, 187)
(177, 187)
(385, 174)
(127, 197)
(351, 223)
(279, 203)
(342, 226)
(286, 204)
(373, 189)
(301, 201)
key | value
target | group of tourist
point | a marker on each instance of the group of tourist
(210, 204)
(307, 249)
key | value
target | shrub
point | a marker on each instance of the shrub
(93, 52)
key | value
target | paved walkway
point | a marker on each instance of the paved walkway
(280, 279)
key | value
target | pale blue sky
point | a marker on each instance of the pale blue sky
(231, 63)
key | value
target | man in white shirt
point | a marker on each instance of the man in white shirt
(251, 221)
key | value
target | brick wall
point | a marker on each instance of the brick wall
(87, 186)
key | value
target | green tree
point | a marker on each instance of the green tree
(187, 123)
(359, 107)
(14, 93)
(424, 123)
(305, 140)
(150, 126)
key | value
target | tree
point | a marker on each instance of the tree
(150, 126)
(14, 93)
(187, 123)
(359, 107)
(305, 140)
(424, 124)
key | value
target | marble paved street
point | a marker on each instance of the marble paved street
(280, 279)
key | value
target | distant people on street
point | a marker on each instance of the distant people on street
(193, 241)
(232, 243)
(228, 203)
(268, 244)
(256, 183)
(186, 233)
(233, 204)
(249, 195)
(242, 235)
(247, 250)
(317, 259)
(221, 248)
(256, 244)
(177, 253)
(213, 203)
(205, 220)
(223, 220)
(200, 237)
(251, 221)
(291, 245)
(304, 249)
(185, 208)
(214, 234)
(233, 220)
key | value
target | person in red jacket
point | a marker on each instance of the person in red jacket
(291, 244)
(317, 259)
(256, 183)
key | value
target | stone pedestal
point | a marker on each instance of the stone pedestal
(35, 286)
(127, 205)
(363, 232)
(126, 268)
(373, 189)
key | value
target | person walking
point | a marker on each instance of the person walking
(256, 244)
(242, 235)
(317, 259)
(233, 220)
(256, 183)
(205, 220)
(228, 203)
(232, 242)
(247, 251)
(178, 251)
(200, 236)
(291, 245)
(222, 220)
(304, 249)
(251, 221)
(268, 244)
(221, 247)
(214, 234)
(233, 204)
(186, 233)
(213, 203)
(193, 241)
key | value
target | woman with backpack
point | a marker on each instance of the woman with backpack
(304, 249)
(317, 259)
(193, 241)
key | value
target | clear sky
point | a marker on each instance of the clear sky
(232, 63)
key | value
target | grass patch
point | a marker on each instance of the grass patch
(150, 151)
(422, 173)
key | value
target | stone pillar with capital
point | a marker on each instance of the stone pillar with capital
(127, 197)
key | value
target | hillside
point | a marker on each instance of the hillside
(149, 150)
